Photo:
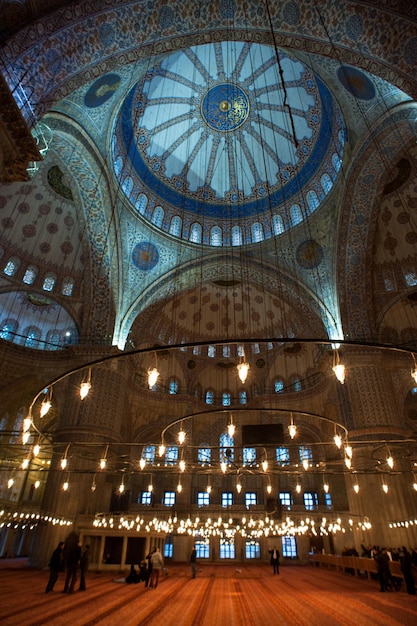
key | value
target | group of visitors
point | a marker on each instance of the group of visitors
(149, 570)
(71, 558)
(408, 564)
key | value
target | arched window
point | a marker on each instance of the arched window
(30, 274)
(196, 233)
(336, 162)
(243, 397)
(204, 454)
(249, 456)
(226, 351)
(141, 203)
(296, 215)
(277, 224)
(53, 339)
(209, 396)
(226, 398)
(158, 216)
(175, 226)
(211, 351)
(296, 383)
(49, 282)
(8, 329)
(278, 385)
(227, 452)
(148, 454)
(12, 266)
(171, 455)
(312, 201)
(216, 236)
(32, 336)
(410, 278)
(237, 239)
(127, 185)
(173, 386)
(326, 182)
(67, 286)
(257, 232)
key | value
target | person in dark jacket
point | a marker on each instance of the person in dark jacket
(193, 561)
(84, 563)
(73, 562)
(55, 566)
(275, 559)
(407, 570)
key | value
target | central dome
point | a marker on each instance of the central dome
(221, 143)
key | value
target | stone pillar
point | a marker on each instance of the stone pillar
(84, 429)
(372, 407)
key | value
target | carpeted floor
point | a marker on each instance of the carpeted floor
(221, 595)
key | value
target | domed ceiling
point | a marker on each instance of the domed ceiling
(228, 143)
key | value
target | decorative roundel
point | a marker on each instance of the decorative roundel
(309, 254)
(145, 255)
(225, 107)
(101, 90)
(356, 82)
(227, 143)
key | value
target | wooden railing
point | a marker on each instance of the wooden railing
(357, 565)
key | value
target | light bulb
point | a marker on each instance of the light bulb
(238, 487)
(243, 369)
(415, 486)
(64, 462)
(292, 430)
(37, 484)
(25, 437)
(223, 466)
(153, 376)
(326, 488)
(305, 464)
(208, 488)
(161, 450)
(103, 463)
(93, 486)
(150, 487)
(231, 429)
(298, 488)
(264, 465)
(25, 464)
(45, 406)
(385, 487)
(10, 482)
(27, 422)
(390, 462)
(65, 485)
(348, 462)
(182, 465)
(338, 440)
(142, 463)
(84, 389)
(356, 488)
(349, 451)
(36, 449)
(181, 437)
(269, 488)
(121, 487)
(340, 373)
(179, 487)
(414, 374)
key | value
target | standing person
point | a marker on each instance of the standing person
(193, 560)
(406, 568)
(157, 563)
(384, 572)
(84, 563)
(73, 561)
(275, 559)
(55, 566)
(149, 568)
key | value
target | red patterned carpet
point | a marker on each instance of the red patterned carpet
(221, 595)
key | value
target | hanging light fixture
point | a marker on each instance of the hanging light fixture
(182, 465)
(150, 487)
(242, 370)
(337, 438)
(142, 463)
(181, 435)
(238, 486)
(298, 488)
(385, 487)
(86, 385)
(326, 487)
(103, 460)
(348, 451)
(223, 466)
(36, 449)
(65, 485)
(10, 483)
(64, 460)
(265, 465)
(356, 487)
(348, 462)
(292, 428)
(208, 488)
(46, 404)
(390, 460)
(338, 367)
(269, 488)
(122, 485)
(414, 370)
(179, 487)
(161, 449)
(93, 484)
(306, 464)
(25, 463)
(231, 427)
